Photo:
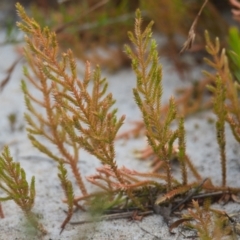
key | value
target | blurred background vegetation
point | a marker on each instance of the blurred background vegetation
(97, 30)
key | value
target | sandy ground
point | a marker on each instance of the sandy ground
(201, 147)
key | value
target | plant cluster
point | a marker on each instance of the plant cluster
(90, 24)
(74, 114)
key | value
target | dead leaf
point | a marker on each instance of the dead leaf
(235, 198)
(179, 222)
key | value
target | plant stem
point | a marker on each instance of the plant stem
(78, 177)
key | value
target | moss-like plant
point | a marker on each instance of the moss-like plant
(221, 112)
(78, 118)
(226, 101)
(41, 53)
(14, 184)
(209, 224)
(234, 51)
(147, 95)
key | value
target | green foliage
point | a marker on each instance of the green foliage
(14, 184)
(234, 51)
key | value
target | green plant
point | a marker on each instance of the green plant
(210, 224)
(226, 102)
(234, 51)
(148, 94)
(68, 190)
(14, 184)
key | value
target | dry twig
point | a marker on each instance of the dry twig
(191, 34)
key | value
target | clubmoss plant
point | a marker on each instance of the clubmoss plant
(225, 101)
(75, 110)
(14, 184)
(209, 224)
(41, 54)
(148, 94)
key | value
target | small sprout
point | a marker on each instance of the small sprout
(12, 118)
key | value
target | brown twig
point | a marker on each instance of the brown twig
(189, 196)
(114, 216)
(1, 211)
(9, 73)
(205, 195)
(191, 33)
